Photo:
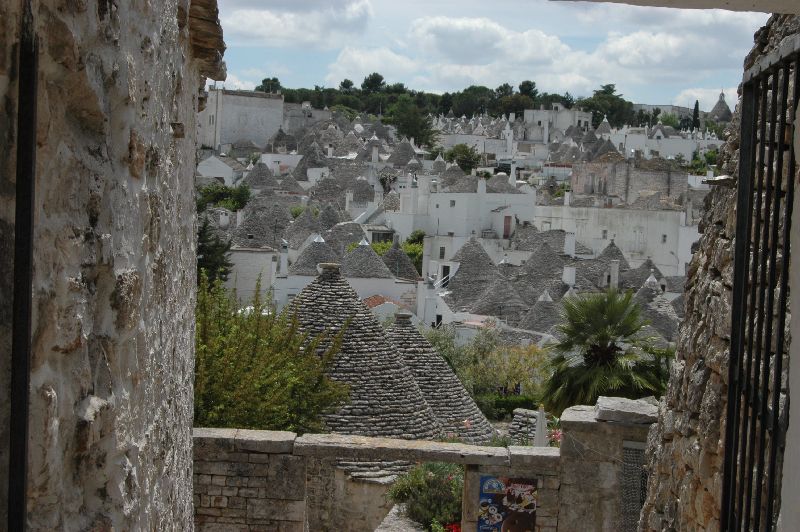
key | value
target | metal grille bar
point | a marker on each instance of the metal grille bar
(767, 165)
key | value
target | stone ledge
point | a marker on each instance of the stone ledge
(222, 442)
(548, 458)
(361, 447)
(584, 418)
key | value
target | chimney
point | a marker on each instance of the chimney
(481, 185)
(284, 257)
(329, 270)
(239, 217)
(348, 199)
(276, 168)
(569, 246)
(512, 177)
(375, 153)
(614, 274)
(568, 277)
(330, 150)
(567, 198)
(402, 317)
(512, 117)
(378, 194)
(396, 239)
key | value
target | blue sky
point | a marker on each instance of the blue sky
(654, 55)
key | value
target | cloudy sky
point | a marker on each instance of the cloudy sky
(654, 55)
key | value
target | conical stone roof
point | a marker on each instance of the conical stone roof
(402, 153)
(303, 226)
(329, 216)
(317, 252)
(363, 262)
(290, 184)
(544, 314)
(342, 235)
(475, 273)
(263, 227)
(385, 400)
(500, 299)
(399, 263)
(636, 277)
(612, 252)
(260, 177)
(453, 407)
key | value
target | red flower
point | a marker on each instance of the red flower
(453, 527)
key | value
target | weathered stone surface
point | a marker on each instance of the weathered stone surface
(114, 259)
(625, 410)
(686, 446)
(360, 447)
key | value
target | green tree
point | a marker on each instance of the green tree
(411, 122)
(516, 103)
(213, 254)
(270, 85)
(606, 102)
(528, 88)
(346, 85)
(373, 83)
(255, 369)
(416, 237)
(602, 351)
(669, 119)
(464, 156)
(696, 115)
(473, 100)
(504, 90)
(218, 195)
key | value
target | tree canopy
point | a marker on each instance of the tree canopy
(255, 369)
(213, 254)
(606, 102)
(602, 351)
(466, 157)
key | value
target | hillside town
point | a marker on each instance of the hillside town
(467, 303)
(580, 210)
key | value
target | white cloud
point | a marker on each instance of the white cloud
(319, 24)
(356, 63)
(235, 82)
(707, 97)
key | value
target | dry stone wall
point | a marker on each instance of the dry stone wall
(686, 445)
(114, 257)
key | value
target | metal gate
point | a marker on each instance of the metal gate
(756, 416)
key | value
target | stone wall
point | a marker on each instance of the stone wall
(686, 445)
(247, 480)
(114, 257)
(626, 180)
(262, 480)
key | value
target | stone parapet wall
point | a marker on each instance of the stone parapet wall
(248, 480)
(262, 480)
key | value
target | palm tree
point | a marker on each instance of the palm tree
(603, 351)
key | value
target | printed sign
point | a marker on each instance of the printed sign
(507, 504)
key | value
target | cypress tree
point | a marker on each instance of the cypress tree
(696, 115)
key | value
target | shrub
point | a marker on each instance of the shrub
(499, 407)
(431, 492)
(217, 194)
(255, 369)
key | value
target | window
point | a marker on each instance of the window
(452, 203)
(539, 123)
(663, 239)
(249, 236)
(605, 234)
(441, 253)
(437, 205)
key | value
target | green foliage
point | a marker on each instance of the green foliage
(346, 85)
(466, 157)
(255, 369)
(488, 369)
(606, 102)
(269, 85)
(373, 83)
(297, 210)
(528, 88)
(416, 237)
(411, 122)
(414, 251)
(496, 406)
(218, 195)
(603, 352)
(669, 119)
(431, 492)
(213, 254)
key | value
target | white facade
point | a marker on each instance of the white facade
(662, 236)
(216, 168)
(248, 265)
(629, 140)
